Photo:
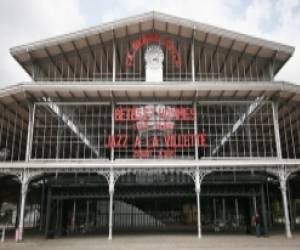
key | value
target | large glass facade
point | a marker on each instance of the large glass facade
(153, 131)
(71, 131)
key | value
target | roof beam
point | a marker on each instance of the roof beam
(181, 95)
(127, 96)
(117, 48)
(142, 50)
(190, 51)
(23, 65)
(52, 61)
(201, 51)
(221, 94)
(153, 24)
(80, 58)
(167, 27)
(203, 43)
(85, 94)
(34, 62)
(214, 54)
(234, 93)
(240, 58)
(208, 94)
(99, 95)
(248, 94)
(227, 55)
(72, 95)
(268, 62)
(104, 51)
(92, 54)
(66, 58)
(253, 59)
(154, 96)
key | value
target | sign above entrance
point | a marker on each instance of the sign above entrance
(150, 39)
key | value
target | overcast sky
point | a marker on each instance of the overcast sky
(29, 20)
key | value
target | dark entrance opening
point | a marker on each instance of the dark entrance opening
(154, 202)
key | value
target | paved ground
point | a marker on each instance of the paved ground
(156, 242)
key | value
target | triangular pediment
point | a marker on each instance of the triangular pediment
(231, 49)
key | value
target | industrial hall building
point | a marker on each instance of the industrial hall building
(152, 123)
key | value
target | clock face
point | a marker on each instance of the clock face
(154, 56)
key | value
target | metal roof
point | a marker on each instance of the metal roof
(129, 91)
(222, 38)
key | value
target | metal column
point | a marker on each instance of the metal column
(197, 190)
(282, 180)
(215, 211)
(193, 56)
(87, 215)
(114, 60)
(111, 197)
(25, 175)
(42, 208)
(48, 212)
(73, 226)
(254, 204)
(30, 131)
(281, 173)
(24, 189)
(264, 210)
(276, 129)
(236, 203)
(111, 178)
(224, 210)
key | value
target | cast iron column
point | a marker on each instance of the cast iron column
(193, 56)
(282, 180)
(24, 188)
(111, 197)
(264, 210)
(236, 204)
(42, 208)
(197, 190)
(281, 172)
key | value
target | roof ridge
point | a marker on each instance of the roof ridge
(152, 15)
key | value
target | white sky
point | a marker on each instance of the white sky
(29, 20)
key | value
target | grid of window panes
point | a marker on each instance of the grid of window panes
(71, 131)
(83, 131)
(289, 126)
(148, 130)
(237, 129)
(13, 135)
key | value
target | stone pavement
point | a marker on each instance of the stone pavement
(156, 242)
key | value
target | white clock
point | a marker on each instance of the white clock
(154, 58)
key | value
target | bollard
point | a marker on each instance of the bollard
(3, 234)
